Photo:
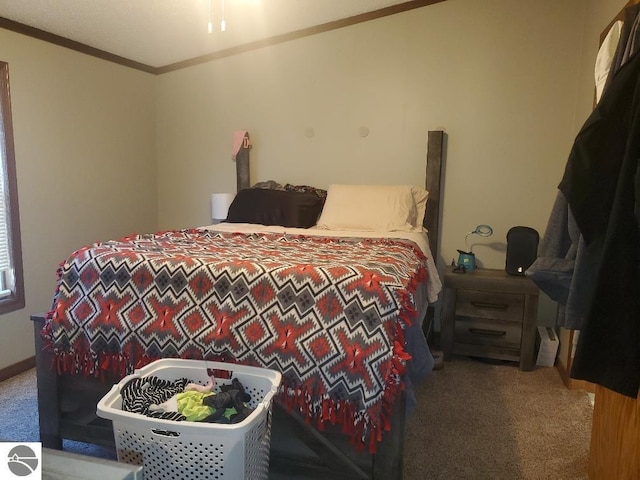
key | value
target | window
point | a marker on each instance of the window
(11, 280)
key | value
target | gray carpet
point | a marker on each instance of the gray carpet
(488, 420)
(475, 420)
(19, 416)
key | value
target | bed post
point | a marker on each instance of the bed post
(242, 163)
(48, 393)
(433, 184)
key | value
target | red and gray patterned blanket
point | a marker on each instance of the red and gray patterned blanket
(329, 313)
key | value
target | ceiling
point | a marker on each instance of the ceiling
(164, 33)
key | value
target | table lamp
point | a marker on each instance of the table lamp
(220, 203)
(468, 259)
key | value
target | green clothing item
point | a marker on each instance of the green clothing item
(190, 405)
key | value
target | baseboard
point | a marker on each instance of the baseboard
(17, 368)
(572, 383)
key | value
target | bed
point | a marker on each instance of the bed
(339, 308)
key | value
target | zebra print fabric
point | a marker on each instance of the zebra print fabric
(140, 393)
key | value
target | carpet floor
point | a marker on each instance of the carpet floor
(475, 420)
(488, 420)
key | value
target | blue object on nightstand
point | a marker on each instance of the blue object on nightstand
(467, 259)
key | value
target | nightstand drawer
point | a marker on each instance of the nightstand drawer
(490, 305)
(495, 333)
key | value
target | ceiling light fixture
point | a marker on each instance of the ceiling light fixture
(223, 24)
(210, 25)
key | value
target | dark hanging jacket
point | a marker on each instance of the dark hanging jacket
(601, 184)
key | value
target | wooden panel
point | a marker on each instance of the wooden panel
(615, 437)
(491, 280)
(486, 351)
(490, 305)
(478, 331)
(434, 180)
(433, 184)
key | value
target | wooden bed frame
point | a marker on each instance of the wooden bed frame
(67, 403)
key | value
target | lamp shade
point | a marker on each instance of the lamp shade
(220, 203)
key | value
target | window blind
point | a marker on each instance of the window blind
(5, 258)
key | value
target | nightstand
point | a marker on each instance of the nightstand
(489, 313)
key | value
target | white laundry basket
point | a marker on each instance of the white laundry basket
(172, 450)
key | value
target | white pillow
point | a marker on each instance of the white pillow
(420, 197)
(373, 208)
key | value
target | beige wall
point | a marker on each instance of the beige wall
(499, 76)
(510, 81)
(85, 154)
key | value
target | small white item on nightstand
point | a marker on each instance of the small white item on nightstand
(220, 203)
(548, 347)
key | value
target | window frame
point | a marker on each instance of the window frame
(15, 300)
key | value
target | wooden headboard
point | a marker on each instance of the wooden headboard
(433, 183)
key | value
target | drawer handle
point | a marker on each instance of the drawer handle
(491, 333)
(494, 306)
